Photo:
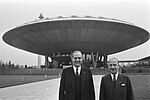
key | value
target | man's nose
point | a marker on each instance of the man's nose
(112, 66)
(78, 59)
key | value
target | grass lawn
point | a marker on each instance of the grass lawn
(141, 86)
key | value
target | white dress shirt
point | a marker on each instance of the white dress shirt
(79, 69)
(116, 76)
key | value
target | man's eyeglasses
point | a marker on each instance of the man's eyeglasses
(112, 64)
(77, 57)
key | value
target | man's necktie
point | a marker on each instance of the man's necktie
(114, 79)
(77, 71)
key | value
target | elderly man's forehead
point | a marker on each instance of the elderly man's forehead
(113, 60)
(77, 53)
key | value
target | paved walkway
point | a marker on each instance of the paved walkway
(44, 90)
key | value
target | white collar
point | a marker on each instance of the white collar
(79, 69)
(116, 76)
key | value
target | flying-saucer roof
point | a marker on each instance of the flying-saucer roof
(66, 34)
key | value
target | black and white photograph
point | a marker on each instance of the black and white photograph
(74, 50)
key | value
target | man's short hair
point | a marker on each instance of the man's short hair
(75, 52)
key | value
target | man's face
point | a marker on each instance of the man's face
(77, 59)
(113, 65)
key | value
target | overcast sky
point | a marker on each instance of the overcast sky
(17, 12)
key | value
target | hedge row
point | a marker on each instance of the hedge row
(95, 71)
(135, 70)
(30, 71)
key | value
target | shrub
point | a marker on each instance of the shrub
(123, 70)
(140, 71)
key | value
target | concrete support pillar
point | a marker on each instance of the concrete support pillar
(55, 64)
(120, 70)
(100, 59)
(105, 60)
(93, 60)
(96, 57)
(88, 57)
(58, 54)
(85, 57)
(39, 61)
(53, 54)
(46, 61)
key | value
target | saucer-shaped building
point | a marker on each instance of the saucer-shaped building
(57, 37)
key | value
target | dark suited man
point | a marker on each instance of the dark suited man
(115, 86)
(76, 81)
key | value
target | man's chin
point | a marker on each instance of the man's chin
(113, 72)
(78, 65)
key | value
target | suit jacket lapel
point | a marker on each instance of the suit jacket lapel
(110, 82)
(83, 75)
(72, 78)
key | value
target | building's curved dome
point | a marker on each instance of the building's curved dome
(65, 34)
